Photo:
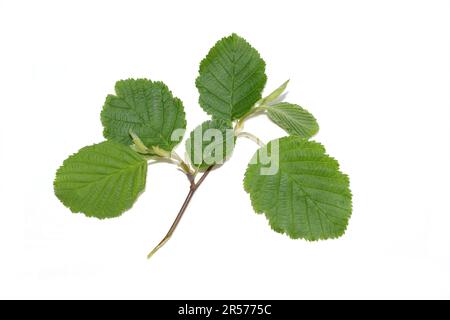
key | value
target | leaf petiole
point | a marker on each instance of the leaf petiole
(255, 111)
(251, 137)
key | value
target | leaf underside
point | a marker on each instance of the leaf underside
(308, 197)
(293, 119)
(206, 148)
(146, 108)
(231, 78)
(102, 180)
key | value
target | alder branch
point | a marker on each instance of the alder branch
(193, 188)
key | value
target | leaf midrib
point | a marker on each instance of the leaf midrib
(108, 176)
(308, 196)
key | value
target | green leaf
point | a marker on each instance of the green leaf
(232, 77)
(146, 108)
(293, 119)
(102, 180)
(307, 197)
(275, 94)
(210, 143)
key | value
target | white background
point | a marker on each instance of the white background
(376, 74)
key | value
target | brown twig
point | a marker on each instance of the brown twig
(193, 188)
